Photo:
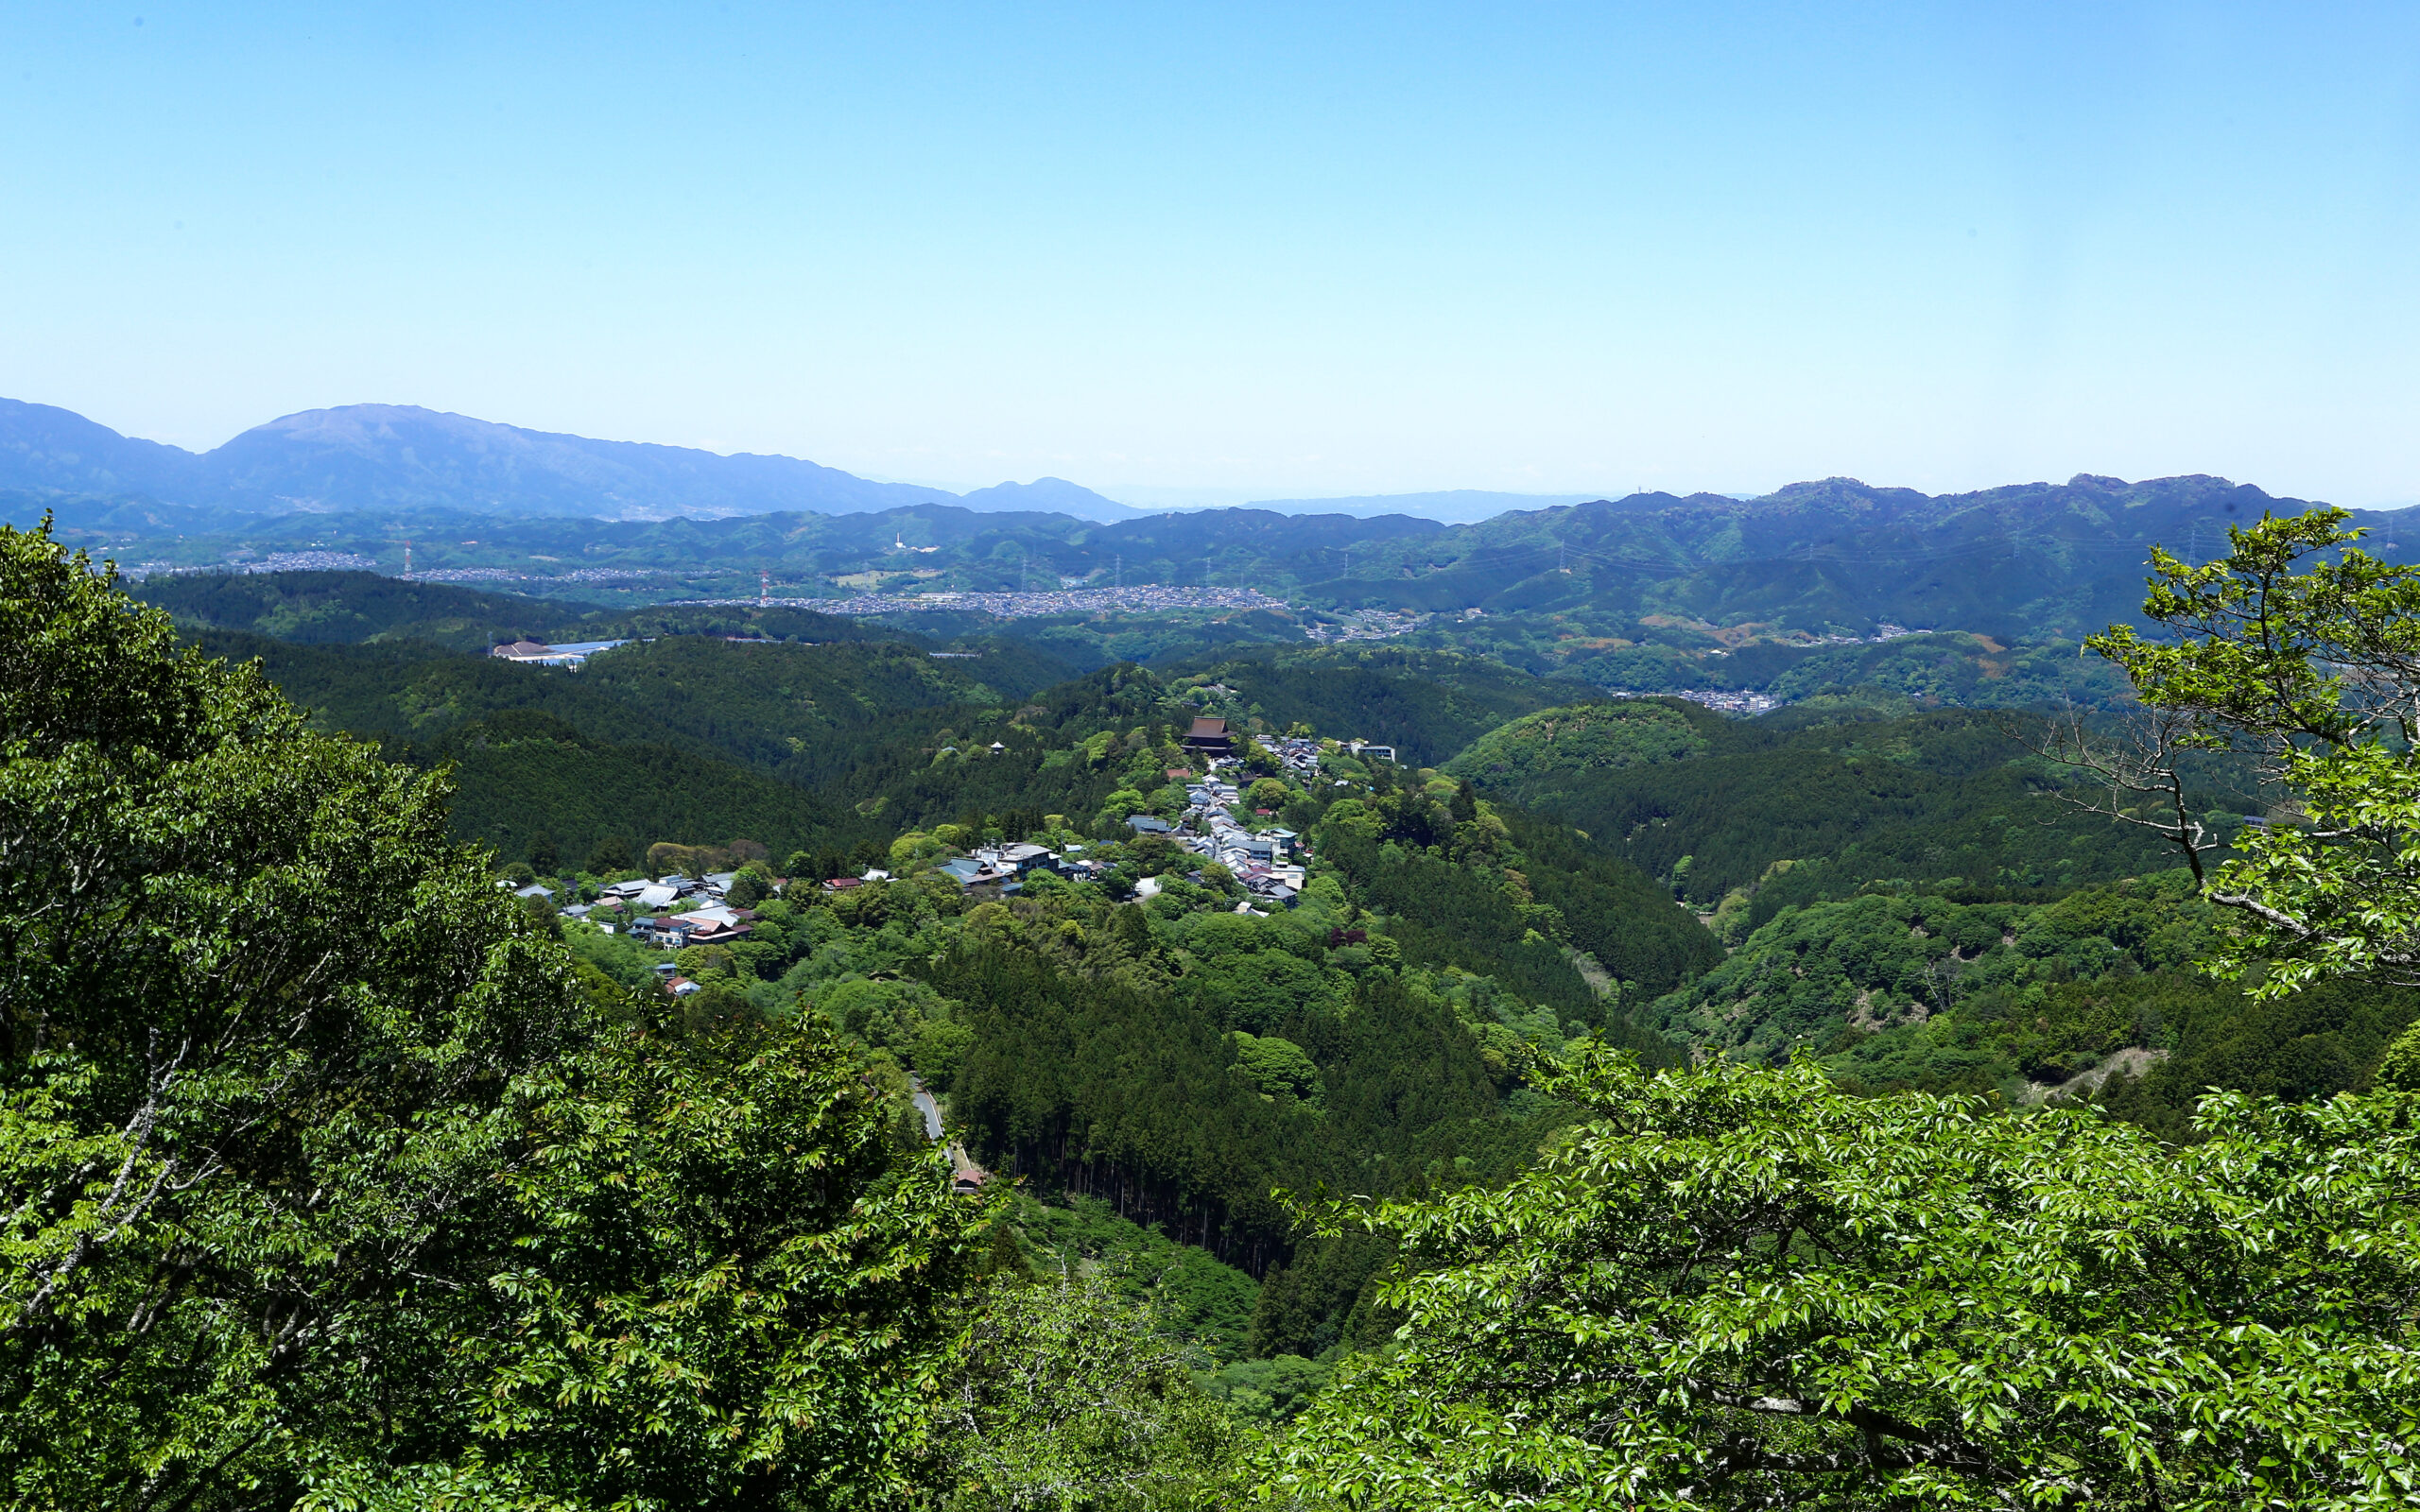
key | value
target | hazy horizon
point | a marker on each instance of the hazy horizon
(1164, 499)
(1266, 252)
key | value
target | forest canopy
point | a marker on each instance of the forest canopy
(334, 1182)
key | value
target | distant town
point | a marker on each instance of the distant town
(1366, 625)
(1141, 598)
(1723, 700)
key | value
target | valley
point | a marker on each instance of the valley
(1869, 874)
(1151, 945)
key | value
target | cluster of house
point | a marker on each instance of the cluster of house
(1261, 859)
(1300, 757)
(671, 912)
(995, 870)
(675, 912)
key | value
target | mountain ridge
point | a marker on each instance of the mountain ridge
(354, 457)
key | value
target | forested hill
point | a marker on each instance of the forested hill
(1780, 831)
(1632, 592)
(1001, 1174)
(1715, 806)
(2013, 562)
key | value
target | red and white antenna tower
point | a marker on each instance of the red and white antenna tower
(408, 558)
(764, 588)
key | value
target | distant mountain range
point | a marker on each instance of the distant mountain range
(1452, 507)
(1624, 592)
(388, 456)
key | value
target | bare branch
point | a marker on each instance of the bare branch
(108, 1221)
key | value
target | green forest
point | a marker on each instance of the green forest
(1624, 1104)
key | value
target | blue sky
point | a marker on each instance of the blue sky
(1231, 252)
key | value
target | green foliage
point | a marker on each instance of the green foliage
(2094, 996)
(1597, 591)
(800, 712)
(690, 738)
(1442, 913)
(907, 1019)
(362, 608)
(1206, 1304)
(2311, 671)
(1088, 1075)
(1739, 1287)
(521, 777)
(2330, 1037)
(1073, 1398)
(349, 607)
(1269, 1390)
(335, 1184)
(1541, 751)
(1279, 1067)
(1929, 670)
(1886, 959)
(1935, 798)
(1426, 704)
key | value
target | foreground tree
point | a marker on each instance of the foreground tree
(328, 1182)
(2301, 653)
(1073, 1399)
(1736, 1287)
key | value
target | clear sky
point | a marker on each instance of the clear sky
(1286, 250)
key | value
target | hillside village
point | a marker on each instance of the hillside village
(675, 911)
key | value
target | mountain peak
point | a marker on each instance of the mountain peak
(1048, 495)
(382, 456)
